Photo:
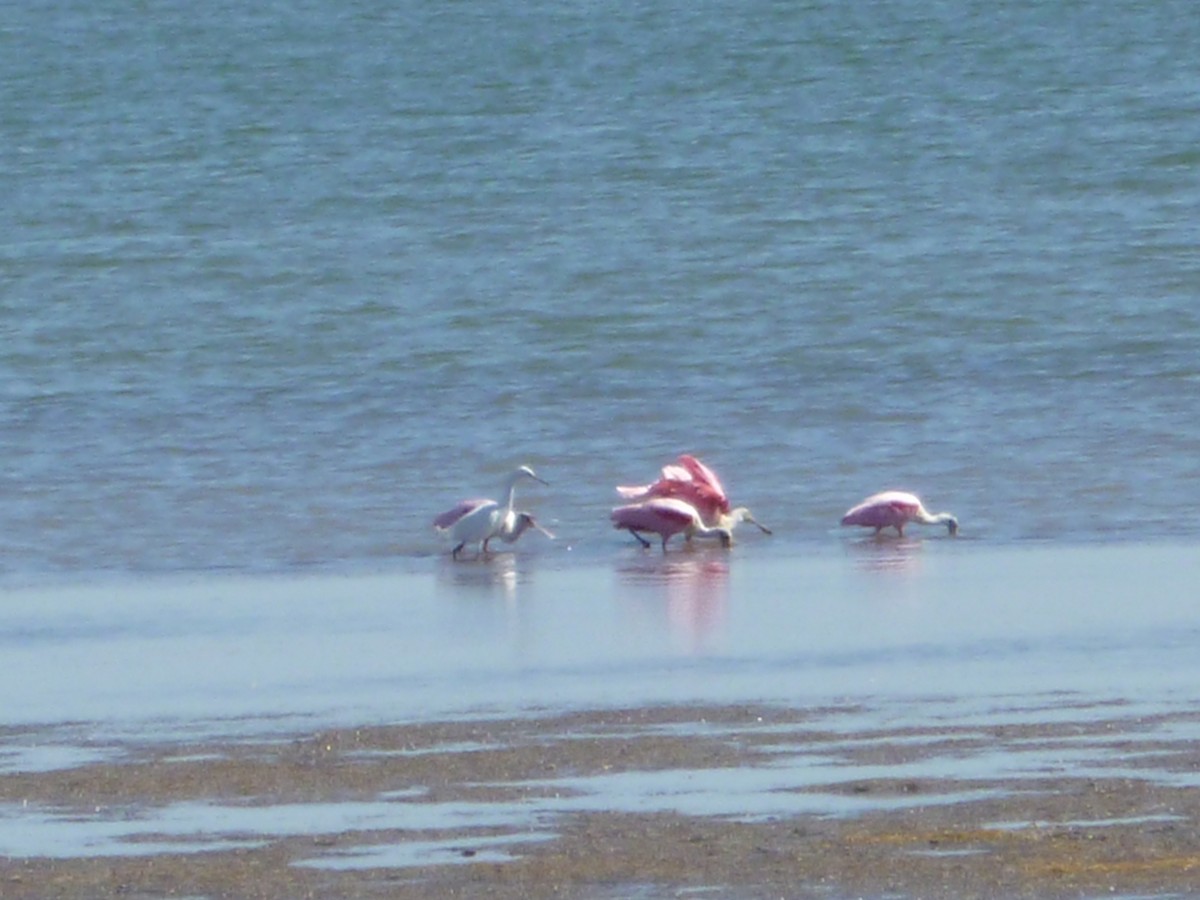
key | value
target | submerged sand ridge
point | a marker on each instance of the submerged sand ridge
(742, 801)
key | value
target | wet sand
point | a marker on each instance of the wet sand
(1064, 799)
(888, 719)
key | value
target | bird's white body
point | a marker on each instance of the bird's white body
(478, 521)
(480, 525)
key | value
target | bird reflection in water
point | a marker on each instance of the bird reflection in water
(888, 555)
(492, 575)
(696, 588)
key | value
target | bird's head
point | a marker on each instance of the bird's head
(526, 520)
(742, 514)
(527, 472)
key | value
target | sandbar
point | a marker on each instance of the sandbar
(731, 801)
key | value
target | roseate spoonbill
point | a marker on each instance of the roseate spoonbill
(519, 522)
(694, 483)
(666, 517)
(896, 509)
(736, 517)
(480, 520)
(690, 481)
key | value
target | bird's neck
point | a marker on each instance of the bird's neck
(946, 519)
(724, 531)
(511, 492)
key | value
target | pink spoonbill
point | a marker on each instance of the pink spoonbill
(697, 485)
(480, 520)
(690, 481)
(515, 526)
(669, 516)
(896, 509)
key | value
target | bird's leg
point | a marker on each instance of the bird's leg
(641, 540)
(454, 553)
(484, 547)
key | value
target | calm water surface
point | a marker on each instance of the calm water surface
(916, 633)
(278, 282)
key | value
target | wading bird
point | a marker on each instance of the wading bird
(697, 485)
(896, 509)
(690, 481)
(480, 520)
(669, 516)
(666, 517)
(516, 526)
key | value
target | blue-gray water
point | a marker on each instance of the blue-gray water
(278, 282)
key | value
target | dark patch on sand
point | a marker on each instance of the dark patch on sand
(1121, 818)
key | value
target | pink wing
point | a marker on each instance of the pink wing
(635, 493)
(666, 486)
(883, 509)
(704, 475)
(676, 473)
(456, 512)
(692, 482)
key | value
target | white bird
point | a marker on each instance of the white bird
(480, 520)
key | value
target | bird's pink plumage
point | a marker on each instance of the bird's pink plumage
(889, 508)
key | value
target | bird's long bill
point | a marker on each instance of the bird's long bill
(762, 527)
(544, 531)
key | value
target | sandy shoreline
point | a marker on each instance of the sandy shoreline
(904, 720)
(641, 802)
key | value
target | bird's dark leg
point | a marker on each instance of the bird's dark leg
(484, 547)
(454, 553)
(641, 540)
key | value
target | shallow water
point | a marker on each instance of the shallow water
(279, 288)
(940, 618)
